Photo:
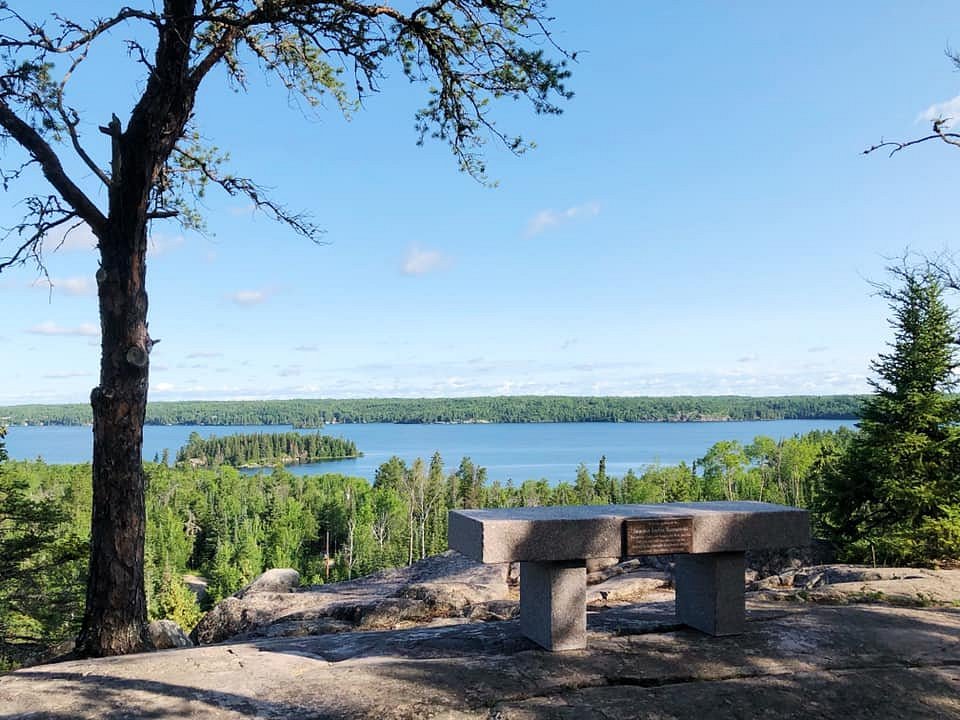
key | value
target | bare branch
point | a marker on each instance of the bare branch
(44, 214)
(939, 133)
(72, 35)
(52, 169)
(162, 214)
(71, 120)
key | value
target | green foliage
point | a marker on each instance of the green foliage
(42, 565)
(229, 526)
(894, 495)
(171, 599)
(583, 486)
(512, 409)
(265, 449)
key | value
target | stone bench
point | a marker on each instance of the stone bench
(552, 545)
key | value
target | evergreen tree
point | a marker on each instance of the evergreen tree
(894, 496)
(41, 574)
(602, 483)
(175, 601)
(583, 487)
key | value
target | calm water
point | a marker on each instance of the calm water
(519, 452)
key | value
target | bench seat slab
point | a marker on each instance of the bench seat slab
(577, 532)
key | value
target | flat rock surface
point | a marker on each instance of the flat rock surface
(846, 662)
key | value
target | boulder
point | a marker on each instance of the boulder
(278, 580)
(223, 621)
(166, 634)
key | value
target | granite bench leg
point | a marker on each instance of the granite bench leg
(710, 592)
(553, 604)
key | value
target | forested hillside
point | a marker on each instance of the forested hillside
(505, 409)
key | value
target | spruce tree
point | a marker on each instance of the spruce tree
(895, 495)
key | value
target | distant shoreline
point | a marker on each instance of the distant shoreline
(513, 409)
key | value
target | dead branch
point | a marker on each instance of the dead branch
(939, 133)
(49, 163)
(44, 214)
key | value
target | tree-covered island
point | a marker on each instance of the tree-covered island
(257, 450)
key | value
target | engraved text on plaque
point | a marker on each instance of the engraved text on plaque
(658, 536)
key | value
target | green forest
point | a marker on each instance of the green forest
(504, 409)
(245, 450)
(229, 526)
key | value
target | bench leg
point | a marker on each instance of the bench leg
(553, 604)
(710, 592)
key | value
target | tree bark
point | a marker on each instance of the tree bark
(115, 618)
(116, 611)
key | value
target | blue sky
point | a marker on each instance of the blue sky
(699, 221)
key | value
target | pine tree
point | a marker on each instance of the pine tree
(894, 496)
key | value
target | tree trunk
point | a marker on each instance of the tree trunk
(114, 621)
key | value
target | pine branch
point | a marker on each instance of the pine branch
(49, 163)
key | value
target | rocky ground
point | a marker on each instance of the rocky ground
(437, 640)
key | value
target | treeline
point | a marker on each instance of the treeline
(264, 449)
(504, 409)
(229, 527)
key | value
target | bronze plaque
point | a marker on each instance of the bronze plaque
(658, 536)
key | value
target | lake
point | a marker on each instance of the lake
(508, 451)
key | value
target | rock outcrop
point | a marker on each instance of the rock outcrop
(442, 586)
(860, 652)
(855, 662)
(840, 584)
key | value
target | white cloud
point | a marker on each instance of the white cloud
(62, 375)
(76, 286)
(948, 109)
(419, 261)
(249, 297)
(164, 387)
(546, 219)
(307, 348)
(159, 244)
(51, 328)
(203, 354)
(63, 238)
(82, 238)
